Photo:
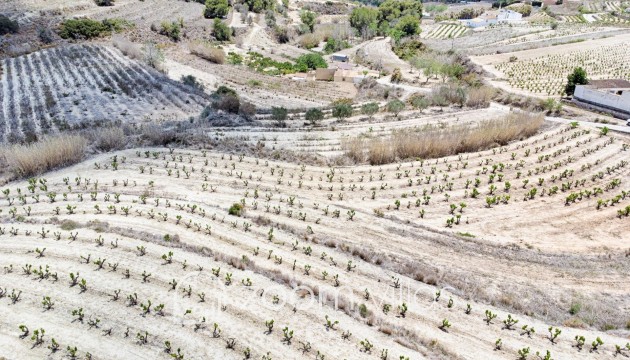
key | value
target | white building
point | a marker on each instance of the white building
(493, 17)
(612, 95)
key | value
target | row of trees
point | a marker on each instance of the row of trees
(220, 8)
(396, 18)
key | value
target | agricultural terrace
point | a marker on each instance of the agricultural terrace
(74, 85)
(445, 31)
(546, 75)
(157, 251)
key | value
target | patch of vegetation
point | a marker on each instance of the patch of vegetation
(88, 28)
(8, 26)
(216, 9)
(236, 209)
(407, 49)
(220, 31)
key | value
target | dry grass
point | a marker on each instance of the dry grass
(480, 97)
(109, 139)
(207, 52)
(46, 154)
(128, 48)
(432, 142)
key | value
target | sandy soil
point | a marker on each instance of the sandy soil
(538, 255)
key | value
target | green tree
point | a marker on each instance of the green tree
(419, 102)
(342, 111)
(391, 10)
(362, 18)
(395, 106)
(308, 18)
(408, 25)
(577, 77)
(314, 115)
(369, 109)
(221, 31)
(310, 61)
(216, 9)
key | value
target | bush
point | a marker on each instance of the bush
(395, 106)
(82, 29)
(8, 26)
(369, 109)
(342, 111)
(247, 109)
(309, 41)
(396, 75)
(216, 9)
(236, 209)
(308, 18)
(220, 31)
(44, 155)
(172, 30)
(419, 102)
(227, 103)
(314, 115)
(279, 114)
(192, 81)
(310, 61)
(46, 35)
(104, 2)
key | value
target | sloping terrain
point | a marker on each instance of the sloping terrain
(68, 86)
(156, 224)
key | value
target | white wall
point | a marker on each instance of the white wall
(604, 98)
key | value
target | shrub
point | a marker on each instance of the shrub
(227, 103)
(216, 9)
(309, 41)
(279, 114)
(45, 35)
(192, 81)
(342, 111)
(419, 102)
(220, 31)
(46, 154)
(207, 52)
(104, 2)
(310, 61)
(153, 56)
(82, 29)
(308, 18)
(396, 76)
(247, 109)
(8, 26)
(369, 109)
(395, 106)
(172, 29)
(236, 209)
(314, 115)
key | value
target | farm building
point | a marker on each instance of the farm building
(611, 95)
(493, 17)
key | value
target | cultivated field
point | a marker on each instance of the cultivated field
(546, 74)
(445, 31)
(157, 257)
(74, 85)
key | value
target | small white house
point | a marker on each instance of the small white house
(613, 95)
(506, 15)
(493, 17)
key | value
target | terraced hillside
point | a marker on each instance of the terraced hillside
(152, 252)
(68, 86)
